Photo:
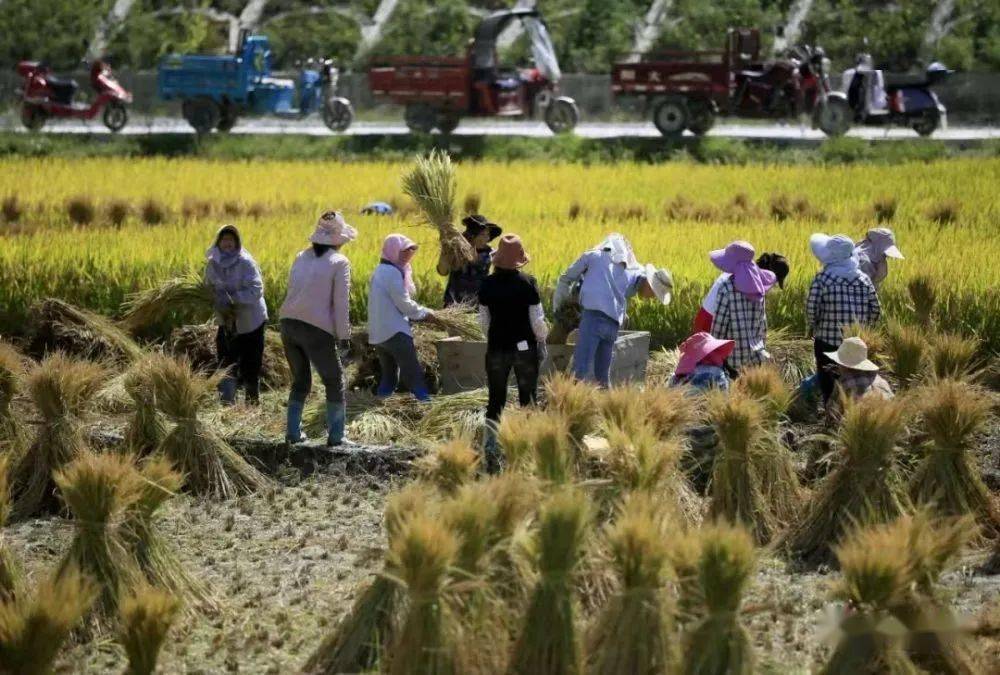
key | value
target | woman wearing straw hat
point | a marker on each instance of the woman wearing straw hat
(858, 376)
(741, 315)
(607, 276)
(464, 280)
(391, 309)
(702, 362)
(840, 295)
(874, 251)
(511, 314)
(314, 316)
(235, 279)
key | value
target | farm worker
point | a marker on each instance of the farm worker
(740, 314)
(240, 310)
(874, 251)
(702, 363)
(511, 314)
(390, 311)
(464, 280)
(773, 262)
(314, 316)
(608, 276)
(858, 376)
(840, 295)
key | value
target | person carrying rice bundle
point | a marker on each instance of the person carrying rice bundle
(702, 363)
(840, 295)
(608, 276)
(465, 278)
(874, 251)
(511, 314)
(391, 309)
(314, 316)
(773, 262)
(238, 288)
(740, 314)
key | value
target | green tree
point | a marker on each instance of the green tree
(432, 28)
(54, 31)
(299, 37)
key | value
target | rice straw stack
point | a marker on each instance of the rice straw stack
(432, 185)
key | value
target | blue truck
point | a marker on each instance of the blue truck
(215, 91)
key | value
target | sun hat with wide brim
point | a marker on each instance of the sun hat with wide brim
(697, 347)
(510, 253)
(726, 259)
(884, 239)
(661, 281)
(853, 354)
(476, 223)
(829, 249)
(333, 230)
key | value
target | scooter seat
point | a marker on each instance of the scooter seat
(63, 90)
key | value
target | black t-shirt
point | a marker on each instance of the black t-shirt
(508, 294)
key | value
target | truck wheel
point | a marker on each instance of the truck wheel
(202, 114)
(115, 116)
(833, 117)
(671, 117)
(420, 118)
(562, 115)
(447, 121)
(927, 123)
(338, 114)
(228, 117)
(702, 117)
(33, 117)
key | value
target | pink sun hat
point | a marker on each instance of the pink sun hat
(697, 347)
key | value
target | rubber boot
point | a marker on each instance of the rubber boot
(492, 460)
(336, 419)
(422, 395)
(293, 423)
(227, 390)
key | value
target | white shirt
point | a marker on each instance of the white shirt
(390, 307)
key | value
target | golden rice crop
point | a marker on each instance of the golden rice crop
(99, 267)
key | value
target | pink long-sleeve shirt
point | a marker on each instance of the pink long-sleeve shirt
(319, 291)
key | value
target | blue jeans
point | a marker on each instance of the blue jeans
(594, 346)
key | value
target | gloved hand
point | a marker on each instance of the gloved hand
(343, 348)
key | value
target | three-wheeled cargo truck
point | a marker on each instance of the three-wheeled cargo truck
(215, 91)
(439, 91)
(687, 90)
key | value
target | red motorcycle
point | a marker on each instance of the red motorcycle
(44, 95)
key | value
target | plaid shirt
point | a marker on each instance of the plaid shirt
(743, 320)
(835, 302)
(858, 383)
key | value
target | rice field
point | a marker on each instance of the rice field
(93, 231)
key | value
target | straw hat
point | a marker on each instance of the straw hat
(884, 240)
(661, 281)
(853, 354)
(510, 253)
(332, 230)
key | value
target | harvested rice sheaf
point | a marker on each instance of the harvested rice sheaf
(907, 352)
(61, 388)
(146, 427)
(59, 326)
(576, 401)
(10, 570)
(953, 356)
(14, 437)
(765, 384)
(187, 297)
(866, 486)
(196, 343)
(432, 186)
(450, 466)
(146, 616)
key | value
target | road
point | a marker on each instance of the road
(313, 127)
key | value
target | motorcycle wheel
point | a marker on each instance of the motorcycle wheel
(833, 117)
(702, 118)
(115, 116)
(562, 115)
(447, 121)
(202, 114)
(671, 117)
(33, 117)
(927, 123)
(420, 118)
(338, 114)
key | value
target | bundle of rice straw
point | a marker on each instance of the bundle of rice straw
(684, 553)
(953, 356)
(866, 486)
(360, 638)
(33, 629)
(450, 466)
(460, 320)
(13, 433)
(633, 632)
(197, 343)
(952, 413)
(792, 354)
(548, 640)
(10, 571)
(146, 427)
(718, 642)
(451, 415)
(432, 185)
(146, 616)
(548, 438)
(765, 384)
(565, 320)
(99, 489)
(660, 368)
(154, 554)
(59, 326)
(188, 297)
(753, 482)
(209, 465)
(421, 554)
(906, 351)
(516, 496)
(576, 401)
(923, 295)
(61, 388)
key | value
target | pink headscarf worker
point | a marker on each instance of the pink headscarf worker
(398, 250)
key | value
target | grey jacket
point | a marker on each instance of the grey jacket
(238, 286)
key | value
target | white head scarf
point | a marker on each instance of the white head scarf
(620, 250)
